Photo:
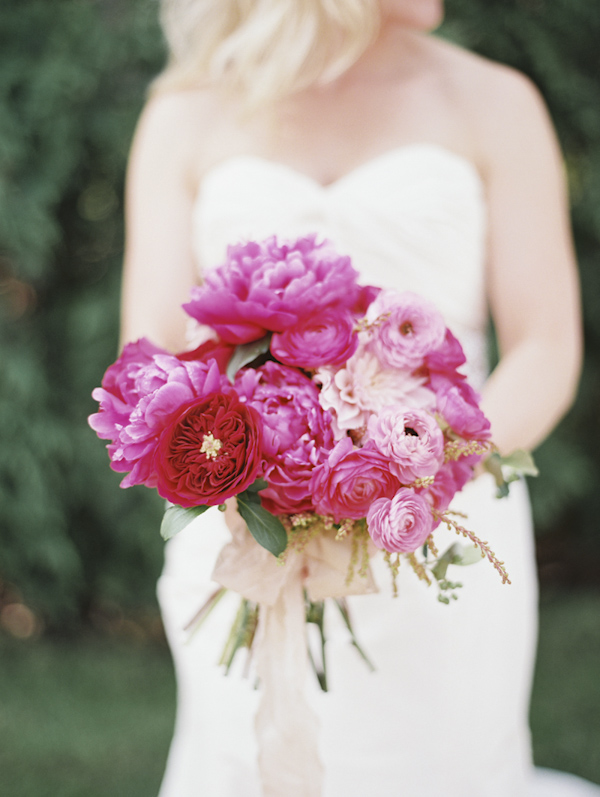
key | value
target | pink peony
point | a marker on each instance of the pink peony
(163, 386)
(348, 482)
(413, 328)
(268, 286)
(401, 524)
(325, 339)
(296, 432)
(411, 439)
(458, 404)
(119, 392)
(364, 387)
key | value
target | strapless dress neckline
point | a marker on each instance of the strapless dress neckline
(376, 162)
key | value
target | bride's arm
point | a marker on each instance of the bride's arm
(532, 277)
(159, 265)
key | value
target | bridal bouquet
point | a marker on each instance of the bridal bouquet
(324, 407)
(336, 418)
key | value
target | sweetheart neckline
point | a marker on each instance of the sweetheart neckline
(402, 151)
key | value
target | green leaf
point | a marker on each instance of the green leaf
(519, 463)
(259, 484)
(177, 518)
(245, 353)
(266, 529)
(456, 554)
(509, 469)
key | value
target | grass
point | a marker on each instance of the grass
(91, 719)
(94, 718)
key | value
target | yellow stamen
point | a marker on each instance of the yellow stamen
(210, 446)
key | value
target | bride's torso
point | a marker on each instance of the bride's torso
(412, 218)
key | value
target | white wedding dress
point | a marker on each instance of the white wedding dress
(446, 711)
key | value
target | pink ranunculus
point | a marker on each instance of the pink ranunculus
(296, 432)
(363, 387)
(447, 357)
(348, 482)
(413, 328)
(209, 451)
(411, 439)
(458, 404)
(163, 386)
(324, 339)
(401, 524)
(270, 286)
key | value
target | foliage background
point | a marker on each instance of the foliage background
(73, 74)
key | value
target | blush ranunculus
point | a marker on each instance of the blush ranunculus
(296, 433)
(458, 404)
(412, 329)
(270, 286)
(348, 482)
(209, 452)
(324, 339)
(411, 439)
(400, 524)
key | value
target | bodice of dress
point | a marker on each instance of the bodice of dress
(411, 219)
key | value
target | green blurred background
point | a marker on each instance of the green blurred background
(78, 556)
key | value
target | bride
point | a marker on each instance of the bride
(437, 171)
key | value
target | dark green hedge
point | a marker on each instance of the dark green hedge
(72, 80)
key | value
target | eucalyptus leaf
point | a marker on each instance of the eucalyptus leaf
(177, 518)
(266, 529)
(245, 353)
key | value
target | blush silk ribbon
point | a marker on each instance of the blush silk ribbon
(286, 727)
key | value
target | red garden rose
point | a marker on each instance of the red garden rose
(209, 452)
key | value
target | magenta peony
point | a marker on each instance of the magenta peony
(412, 329)
(401, 524)
(270, 286)
(411, 439)
(348, 482)
(209, 452)
(447, 357)
(296, 433)
(449, 480)
(119, 393)
(162, 387)
(324, 339)
(210, 350)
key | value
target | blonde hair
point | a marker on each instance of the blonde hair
(263, 49)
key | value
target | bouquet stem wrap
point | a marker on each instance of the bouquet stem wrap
(286, 726)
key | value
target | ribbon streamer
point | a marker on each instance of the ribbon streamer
(286, 727)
